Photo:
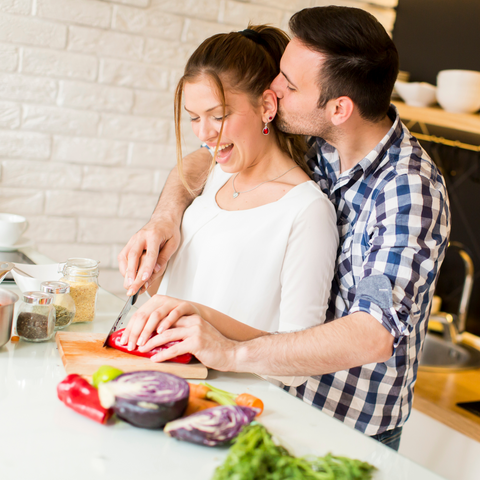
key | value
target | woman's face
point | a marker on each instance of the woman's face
(242, 143)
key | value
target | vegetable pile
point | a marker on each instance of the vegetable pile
(146, 399)
(114, 342)
(255, 456)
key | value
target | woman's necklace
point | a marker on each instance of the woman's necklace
(236, 194)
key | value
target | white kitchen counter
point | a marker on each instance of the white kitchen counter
(40, 438)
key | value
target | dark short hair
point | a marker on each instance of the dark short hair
(361, 59)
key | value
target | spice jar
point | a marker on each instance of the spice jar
(62, 302)
(36, 317)
(82, 276)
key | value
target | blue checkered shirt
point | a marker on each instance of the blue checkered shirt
(393, 220)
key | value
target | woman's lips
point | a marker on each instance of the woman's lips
(224, 155)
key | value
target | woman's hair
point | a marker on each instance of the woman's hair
(243, 62)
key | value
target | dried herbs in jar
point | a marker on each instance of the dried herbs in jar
(36, 317)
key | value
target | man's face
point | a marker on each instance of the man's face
(297, 89)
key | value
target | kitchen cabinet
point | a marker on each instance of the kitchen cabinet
(42, 439)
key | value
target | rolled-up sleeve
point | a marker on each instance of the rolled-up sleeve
(407, 236)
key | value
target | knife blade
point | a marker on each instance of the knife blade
(128, 305)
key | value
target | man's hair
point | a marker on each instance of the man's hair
(361, 60)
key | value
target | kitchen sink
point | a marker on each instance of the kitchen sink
(440, 355)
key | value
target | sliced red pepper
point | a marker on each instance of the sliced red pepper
(75, 392)
(114, 342)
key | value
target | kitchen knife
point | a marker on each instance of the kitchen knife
(131, 301)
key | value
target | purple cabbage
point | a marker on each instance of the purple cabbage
(146, 399)
(213, 426)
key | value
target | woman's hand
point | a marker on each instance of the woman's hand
(157, 314)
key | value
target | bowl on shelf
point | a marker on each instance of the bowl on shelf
(458, 91)
(7, 304)
(416, 94)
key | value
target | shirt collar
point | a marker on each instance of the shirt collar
(374, 158)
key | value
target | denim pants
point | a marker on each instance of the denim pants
(390, 438)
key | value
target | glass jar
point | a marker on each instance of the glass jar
(82, 276)
(62, 302)
(36, 317)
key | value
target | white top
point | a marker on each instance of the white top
(270, 267)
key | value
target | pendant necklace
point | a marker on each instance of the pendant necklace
(236, 194)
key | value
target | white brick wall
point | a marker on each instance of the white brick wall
(86, 107)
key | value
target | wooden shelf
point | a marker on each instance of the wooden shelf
(440, 118)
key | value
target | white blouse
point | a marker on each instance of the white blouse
(270, 267)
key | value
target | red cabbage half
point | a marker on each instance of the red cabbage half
(213, 426)
(146, 399)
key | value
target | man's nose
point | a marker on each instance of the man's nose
(276, 86)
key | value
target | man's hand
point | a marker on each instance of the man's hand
(200, 339)
(154, 244)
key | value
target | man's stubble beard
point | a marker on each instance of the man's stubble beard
(313, 124)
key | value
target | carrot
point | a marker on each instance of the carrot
(198, 390)
(196, 404)
(247, 400)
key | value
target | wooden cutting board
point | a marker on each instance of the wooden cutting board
(82, 353)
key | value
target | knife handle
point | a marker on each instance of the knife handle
(134, 299)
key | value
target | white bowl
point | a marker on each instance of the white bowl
(458, 100)
(416, 94)
(458, 78)
(40, 273)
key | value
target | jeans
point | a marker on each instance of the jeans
(390, 438)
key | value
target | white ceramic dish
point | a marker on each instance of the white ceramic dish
(459, 100)
(40, 273)
(416, 94)
(21, 243)
(460, 78)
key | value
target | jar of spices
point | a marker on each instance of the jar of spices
(36, 317)
(82, 276)
(62, 302)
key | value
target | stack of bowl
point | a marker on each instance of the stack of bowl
(458, 91)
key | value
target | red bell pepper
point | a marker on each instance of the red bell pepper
(114, 342)
(75, 392)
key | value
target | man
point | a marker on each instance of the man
(336, 78)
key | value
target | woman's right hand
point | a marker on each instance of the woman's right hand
(146, 254)
(156, 315)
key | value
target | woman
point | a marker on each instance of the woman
(259, 245)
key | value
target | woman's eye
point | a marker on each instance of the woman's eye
(290, 88)
(194, 119)
(219, 119)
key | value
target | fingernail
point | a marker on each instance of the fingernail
(154, 358)
(144, 276)
(141, 341)
(160, 330)
(157, 268)
(131, 346)
(130, 293)
(129, 281)
(123, 340)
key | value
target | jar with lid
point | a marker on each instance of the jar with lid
(62, 302)
(36, 317)
(82, 276)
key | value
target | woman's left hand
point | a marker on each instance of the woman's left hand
(158, 314)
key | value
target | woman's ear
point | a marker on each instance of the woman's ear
(269, 105)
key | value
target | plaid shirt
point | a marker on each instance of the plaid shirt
(393, 221)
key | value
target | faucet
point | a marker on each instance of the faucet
(453, 324)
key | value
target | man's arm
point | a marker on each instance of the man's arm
(348, 342)
(160, 237)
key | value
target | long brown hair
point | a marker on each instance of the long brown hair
(245, 65)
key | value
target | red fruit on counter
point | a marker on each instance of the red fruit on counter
(114, 342)
(75, 392)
